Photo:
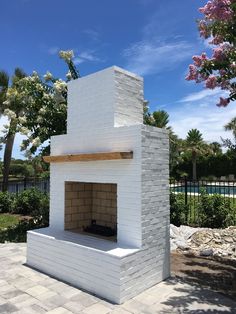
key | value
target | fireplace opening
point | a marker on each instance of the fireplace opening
(91, 208)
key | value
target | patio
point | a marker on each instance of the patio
(24, 290)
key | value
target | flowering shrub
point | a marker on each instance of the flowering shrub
(43, 106)
(218, 70)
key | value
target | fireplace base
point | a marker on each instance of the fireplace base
(96, 265)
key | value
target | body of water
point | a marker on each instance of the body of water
(210, 189)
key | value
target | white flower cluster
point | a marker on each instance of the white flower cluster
(59, 86)
(35, 74)
(68, 75)
(24, 131)
(9, 113)
(5, 129)
(67, 55)
(48, 76)
(22, 120)
(36, 142)
(42, 110)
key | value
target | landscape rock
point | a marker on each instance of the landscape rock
(206, 252)
(204, 241)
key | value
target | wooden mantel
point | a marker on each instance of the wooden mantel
(89, 157)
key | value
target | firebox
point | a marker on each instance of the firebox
(91, 208)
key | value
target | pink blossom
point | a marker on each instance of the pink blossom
(211, 82)
(217, 10)
(204, 56)
(198, 60)
(193, 73)
(224, 84)
(223, 102)
(233, 66)
(222, 72)
(218, 53)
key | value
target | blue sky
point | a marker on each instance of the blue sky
(155, 39)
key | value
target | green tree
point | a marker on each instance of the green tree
(161, 118)
(231, 126)
(195, 145)
(216, 148)
(231, 145)
(12, 106)
(175, 150)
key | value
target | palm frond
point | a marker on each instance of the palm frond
(4, 83)
(18, 75)
(4, 79)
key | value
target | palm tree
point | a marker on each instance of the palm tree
(196, 146)
(160, 118)
(16, 108)
(216, 148)
(231, 126)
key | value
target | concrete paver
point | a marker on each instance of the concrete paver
(24, 290)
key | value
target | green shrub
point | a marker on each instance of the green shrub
(178, 209)
(214, 211)
(31, 202)
(6, 202)
(18, 233)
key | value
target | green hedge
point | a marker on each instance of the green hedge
(211, 211)
(30, 202)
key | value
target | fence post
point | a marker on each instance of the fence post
(45, 186)
(185, 190)
(25, 184)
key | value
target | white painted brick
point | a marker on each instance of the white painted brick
(105, 114)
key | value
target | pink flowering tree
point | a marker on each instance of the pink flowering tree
(218, 70)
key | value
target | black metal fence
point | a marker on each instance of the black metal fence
(17, 186)
(189, 193)
(192, 189)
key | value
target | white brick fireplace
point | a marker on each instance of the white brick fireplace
(109, 171)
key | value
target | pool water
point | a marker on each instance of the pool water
(210, 189)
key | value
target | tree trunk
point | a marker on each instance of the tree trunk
(194, 162)
(7, 156)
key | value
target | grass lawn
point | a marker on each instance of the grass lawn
(7, 220)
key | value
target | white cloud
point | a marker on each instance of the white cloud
(150, 57)
(205, 95)
(53, 50)
(199, 110)
(92, 34)
(86, 56)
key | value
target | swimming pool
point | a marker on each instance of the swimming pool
(210, 189)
